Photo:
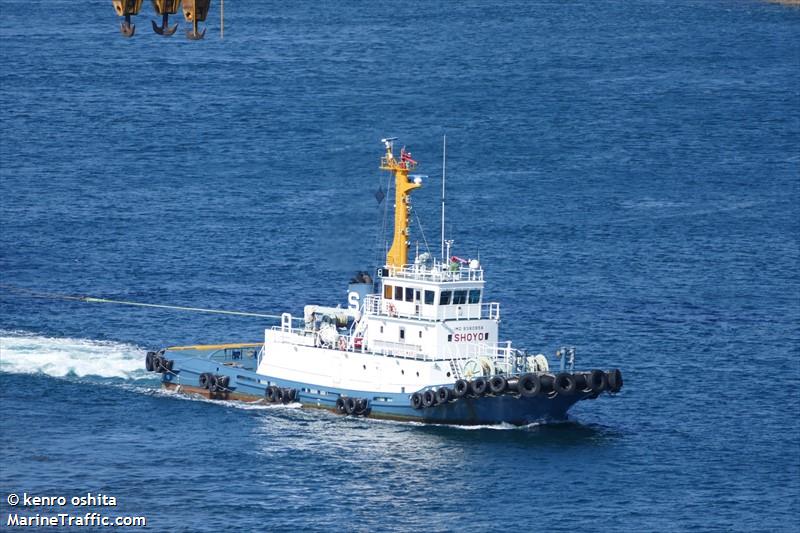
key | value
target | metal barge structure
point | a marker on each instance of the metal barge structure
(417, 343)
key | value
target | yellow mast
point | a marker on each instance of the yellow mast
(398, 253)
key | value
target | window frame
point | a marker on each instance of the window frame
(442, 299)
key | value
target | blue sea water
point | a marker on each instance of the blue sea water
(627, 171)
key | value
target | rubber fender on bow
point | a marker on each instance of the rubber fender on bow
(340, 408)
(565, 383)
(157, 364)
(223, 382)
(213, 383)
(548, 382)
(350, 405)
(444, 395)
(581, 381)
(461, 388)
(203, 380)
(428, 398)
(416, 400)
(529, 385)
(614, 380)
(512, 385)
(148, 361)
(362, 406)
(279, 395)
(597, 381)
(498, 385)
(167, 364)
(478, 386)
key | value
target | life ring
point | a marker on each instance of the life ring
(343, 343)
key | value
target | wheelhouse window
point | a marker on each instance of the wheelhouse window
(459, 297)
(387, 292)
(398, 293)
(409, 294)
(402, 334)
(429, 296)
(475, 296)
(444, 298)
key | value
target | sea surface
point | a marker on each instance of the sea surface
(627, 171)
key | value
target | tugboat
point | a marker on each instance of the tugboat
(417, 343)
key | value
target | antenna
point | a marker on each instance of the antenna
(444, 175)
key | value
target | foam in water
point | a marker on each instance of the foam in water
(22, 353)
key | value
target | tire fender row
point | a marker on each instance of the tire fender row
(275, 394)
(529, 385)
(347, 405)
(214, 382)
(156, 362)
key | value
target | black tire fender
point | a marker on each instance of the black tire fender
(271, 394)
(597, 381)
(148, 361)
(565, 383)
(212, 383)
(340, 405)
(614, 378)
(350, 405)
(582, 381)
(444, 395)
(498, 385)
(428, 398)
(461, 388)
(529, 385)
(548, 382)
(416, 400)
(478, 386)
(362, 406)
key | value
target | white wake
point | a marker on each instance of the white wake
(24, 353)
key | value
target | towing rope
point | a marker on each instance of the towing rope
(94, 300)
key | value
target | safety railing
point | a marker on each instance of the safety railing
(438, 272)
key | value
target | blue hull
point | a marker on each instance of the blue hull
(246, 385)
